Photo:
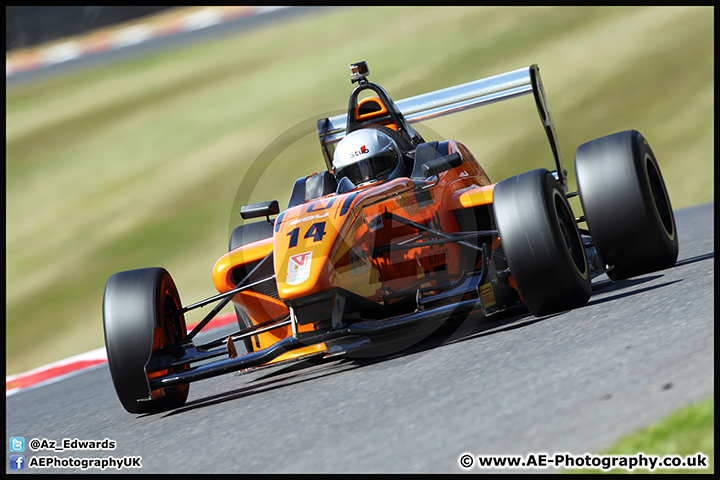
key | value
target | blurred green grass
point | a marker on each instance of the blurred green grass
(138, 164)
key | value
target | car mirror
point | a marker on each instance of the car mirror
(262, 209)
(439, 165)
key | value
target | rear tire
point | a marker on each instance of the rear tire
(240, 236)
(626, 204)
(134, 307)
(542, 243)
(251, 232)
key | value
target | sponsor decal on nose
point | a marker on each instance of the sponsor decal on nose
(298, 268)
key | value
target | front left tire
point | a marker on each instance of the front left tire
(135, 304)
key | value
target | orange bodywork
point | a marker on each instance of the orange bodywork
(370, 107)
(331, 242)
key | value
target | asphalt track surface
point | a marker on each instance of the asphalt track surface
(573, 382)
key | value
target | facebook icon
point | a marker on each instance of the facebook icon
(17, 462)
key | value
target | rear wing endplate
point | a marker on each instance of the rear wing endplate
(462, 97)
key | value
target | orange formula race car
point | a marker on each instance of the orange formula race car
(399, 235)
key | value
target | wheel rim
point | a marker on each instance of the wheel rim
(570, 235)
(170, 333)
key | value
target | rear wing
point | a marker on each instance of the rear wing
(462, 97)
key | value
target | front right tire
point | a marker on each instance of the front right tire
(542, 243)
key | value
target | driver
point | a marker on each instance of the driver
(367, 155)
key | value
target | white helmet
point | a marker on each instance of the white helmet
(366, 155)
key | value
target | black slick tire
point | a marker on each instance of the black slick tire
(626, 204)
(541, 242)
(134, 306)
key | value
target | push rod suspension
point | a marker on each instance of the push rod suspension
(224, 297)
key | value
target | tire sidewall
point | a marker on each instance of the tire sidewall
(556, 195)
(645, 161)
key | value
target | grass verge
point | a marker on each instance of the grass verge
(688, 431)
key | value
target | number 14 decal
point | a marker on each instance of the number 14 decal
(316, 232)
